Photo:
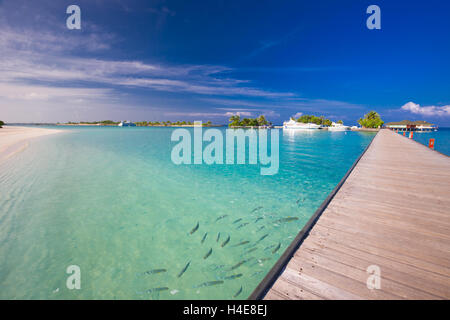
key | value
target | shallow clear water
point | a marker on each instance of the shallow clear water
(111, 201)
(441, 139)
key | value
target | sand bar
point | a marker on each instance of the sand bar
(14, 139)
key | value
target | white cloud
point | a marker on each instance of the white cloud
(50, 57)
(298, 114)
(239, 113)
(427, 110)
(45, 67)
(33, 92)
(199, 115)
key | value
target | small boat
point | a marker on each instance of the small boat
(126, 124)
(338, 127)
(292, 124)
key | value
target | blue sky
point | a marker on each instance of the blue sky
(207, 60)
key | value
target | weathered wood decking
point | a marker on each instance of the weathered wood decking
(393, 211)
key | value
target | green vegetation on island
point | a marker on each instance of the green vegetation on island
(235, 121)
(371, 120)
(317, 120)
(1, 123)
(172, 124)
(95, 123)
(140, 123)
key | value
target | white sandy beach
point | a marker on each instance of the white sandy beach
(14, 139)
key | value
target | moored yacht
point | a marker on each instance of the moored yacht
(292, 124)
(337, 127)
(126, 124)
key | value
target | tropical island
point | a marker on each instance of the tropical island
(90, 123)
(138, 123)
(174, 124)
(236, 122)
(371, 120)
(317, 120)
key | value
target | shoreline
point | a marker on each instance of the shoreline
(14, 139)
(158, 126)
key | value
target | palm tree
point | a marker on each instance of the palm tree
(262, 120)
(235, 120)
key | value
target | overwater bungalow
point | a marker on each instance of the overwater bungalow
(407, 125)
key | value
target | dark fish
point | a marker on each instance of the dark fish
(225, 242)
(218, 237)
(204, 237)
(288, 219)
(241, 243)
(236, 221)
(251, 250)
(195, 228)
(221, 217)
(184, 269)
(256, 209)
(300, 199)
(259, 218)
(209, 283)
(240, 263)
(234, 276)
(262, 227)
(238, 292)
(269, 247)
(276, 249)
(208, 254)
(157, 289)
(262, 238)
(154, 271)
(242, 225)
(254, 263)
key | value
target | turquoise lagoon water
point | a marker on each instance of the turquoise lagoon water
(441, 139)
(111, 201)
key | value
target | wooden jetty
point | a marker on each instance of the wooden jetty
(392, 212)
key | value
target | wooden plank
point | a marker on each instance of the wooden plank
(375, 253)
(393, 212)
(382, 213)
(293, 290)
(318, 287)
(409, 275)
(406, 238)
(344, 286)
(422, 258)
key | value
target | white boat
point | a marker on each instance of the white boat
(337, 127)
(126, 124)
(292, 124)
